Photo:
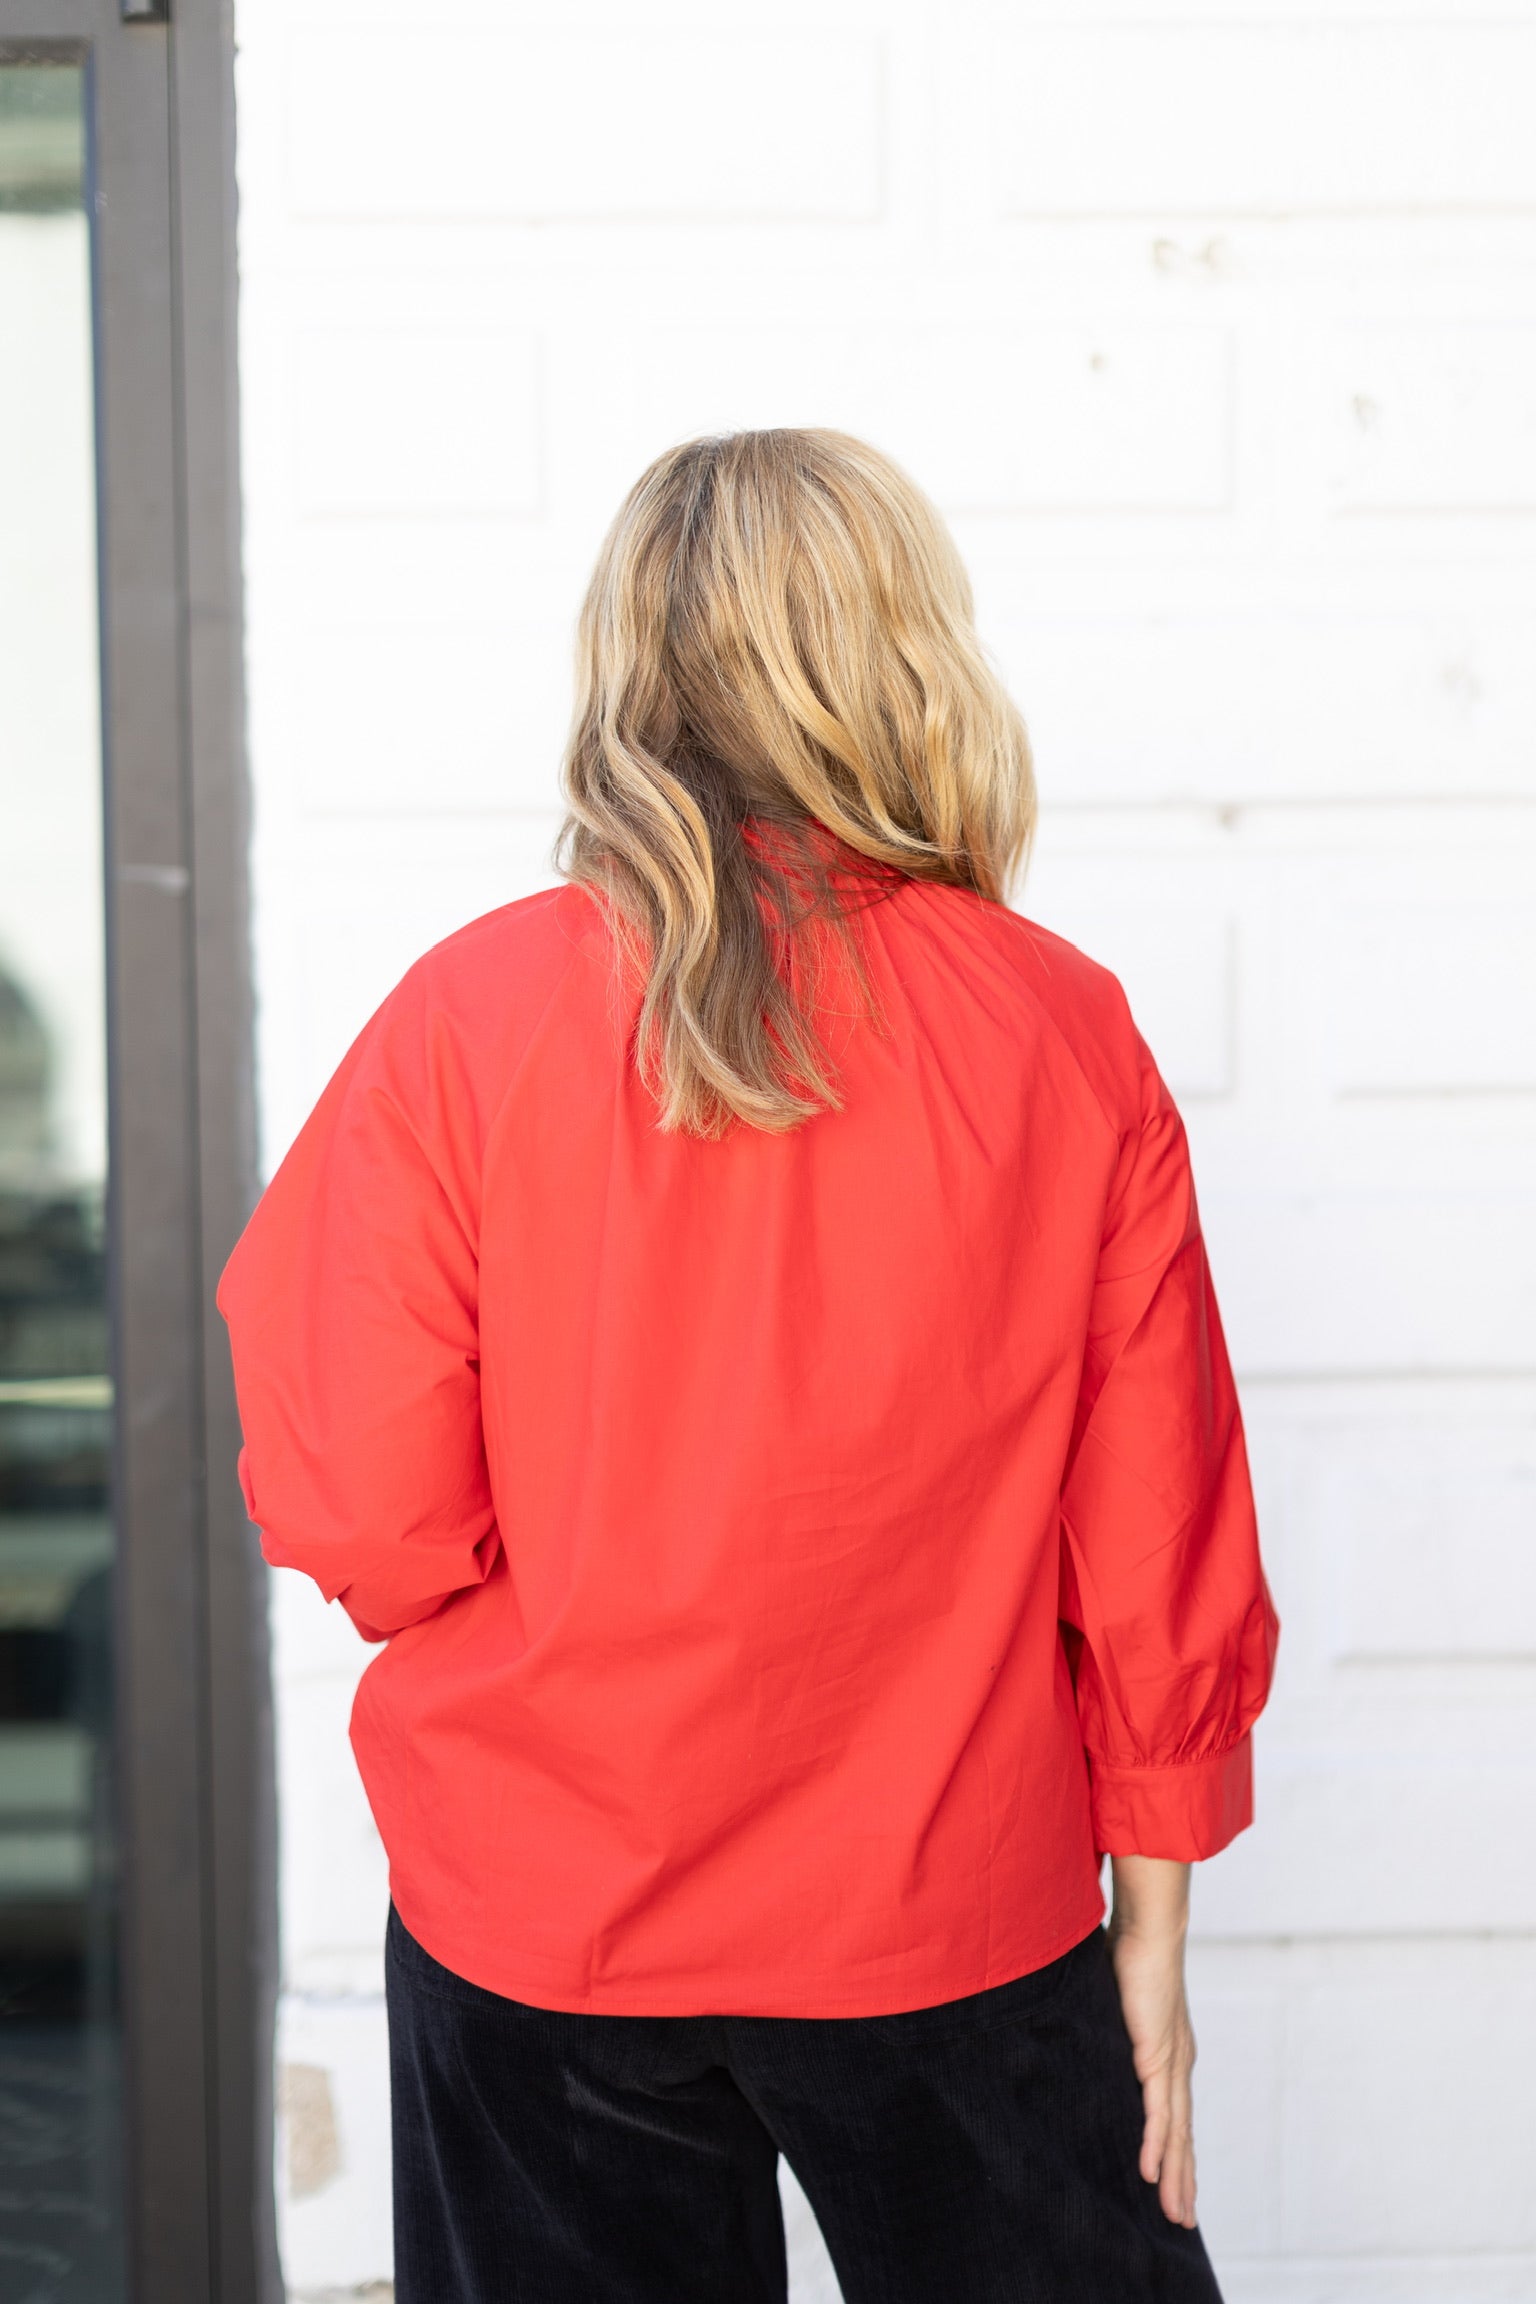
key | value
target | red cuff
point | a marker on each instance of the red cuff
(1186, 1811)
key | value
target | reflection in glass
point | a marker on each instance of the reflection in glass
(60, 2226)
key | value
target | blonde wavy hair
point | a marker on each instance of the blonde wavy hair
(782, 707)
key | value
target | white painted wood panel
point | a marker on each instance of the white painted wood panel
(420, 419)
(544, 123)
(1212, 330)
(1259, 117)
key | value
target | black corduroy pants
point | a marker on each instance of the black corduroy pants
(980, 2152)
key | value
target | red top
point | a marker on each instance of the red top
(796, 1556)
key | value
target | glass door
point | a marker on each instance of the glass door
(61, 2222)
(137, 1920)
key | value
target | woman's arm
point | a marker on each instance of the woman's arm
(1149, 1920)
(1167, 1619)
(1169, 1623)
(353, 1312)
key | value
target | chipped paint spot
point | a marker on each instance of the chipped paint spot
(307, 2110)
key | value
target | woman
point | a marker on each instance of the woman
(736, 1330)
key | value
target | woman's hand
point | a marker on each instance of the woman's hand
(1149, 1920)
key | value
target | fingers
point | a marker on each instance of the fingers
(1176, 2185)
(1156, 2095)
(1167, 2142)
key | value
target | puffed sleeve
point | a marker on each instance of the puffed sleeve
(351, 1303)
(1167, 1617)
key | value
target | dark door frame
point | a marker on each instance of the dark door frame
(194, 1713)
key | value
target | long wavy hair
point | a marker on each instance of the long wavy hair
(781, 706)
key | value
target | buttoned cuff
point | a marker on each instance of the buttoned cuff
(1185, 1811)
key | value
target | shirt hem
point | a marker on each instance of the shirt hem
(726, 1993)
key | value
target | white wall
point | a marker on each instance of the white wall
(1214, 330)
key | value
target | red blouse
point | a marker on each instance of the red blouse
(796, 1557)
